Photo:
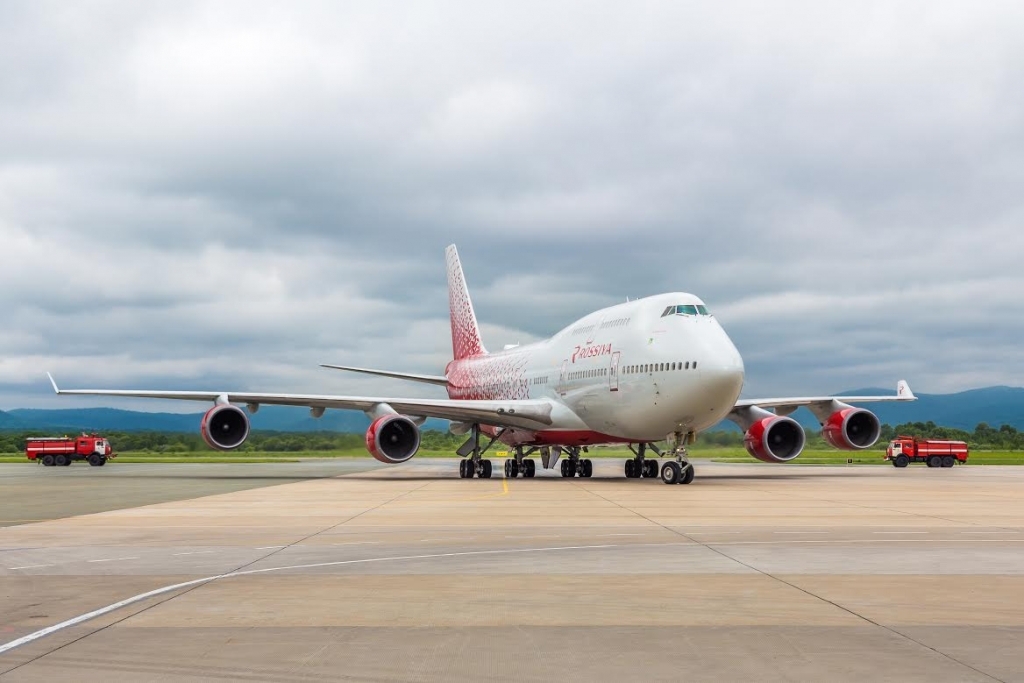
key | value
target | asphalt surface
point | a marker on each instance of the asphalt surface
(30, 492)
(752, 573)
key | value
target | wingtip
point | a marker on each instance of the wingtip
(53, 383)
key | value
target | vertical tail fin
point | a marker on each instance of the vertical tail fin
(465, 333)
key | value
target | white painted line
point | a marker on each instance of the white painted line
(196, 552)
(114, 559)
(799, 532)
(716, 533)
(271, 547)
(74, 621)
(899, 532)
(30, 566)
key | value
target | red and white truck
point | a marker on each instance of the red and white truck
(904, 450)
(63, 450)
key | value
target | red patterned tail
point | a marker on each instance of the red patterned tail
(465, 333)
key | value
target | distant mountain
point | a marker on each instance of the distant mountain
(994, 405)
(269, 418)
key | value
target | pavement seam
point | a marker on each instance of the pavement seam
(203, 583)
(792, 585)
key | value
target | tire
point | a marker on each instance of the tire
(901, 461)
(103, 460)
(650, 469)
(934, 461)
(508, 468)
(61, 460)
(514, 468)
(688, 475)
(630, 464)
(486, 474)
(529, 468)
(48, 460)
(94, 460)
(948, 461)
(670, 472)
(588, 468)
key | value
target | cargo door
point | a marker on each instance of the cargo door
(613, 373)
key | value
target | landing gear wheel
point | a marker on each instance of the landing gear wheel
(948, 461)
(630, 467)
(61, 460)
(586, 468)
(568, 468)
(901, 461)
(650, 469)
(94, 460)
(485, 469)
(529, 468)
(466, 469)
(934, 461)
(688, 474)
(513, 468)
(48, 460)
(670, 473)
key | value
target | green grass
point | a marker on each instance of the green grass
(809, 457)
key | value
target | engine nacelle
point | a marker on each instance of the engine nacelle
(224, 427)
(393, 439)
(851, 429)
(775, 439)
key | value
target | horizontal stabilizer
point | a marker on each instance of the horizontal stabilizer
(439, 380)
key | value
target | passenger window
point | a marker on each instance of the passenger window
(687, 365)
(694, 365)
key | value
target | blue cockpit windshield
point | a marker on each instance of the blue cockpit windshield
(686, 309)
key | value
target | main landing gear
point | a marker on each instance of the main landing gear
(639, 466)
(574, 465)
(520, 464)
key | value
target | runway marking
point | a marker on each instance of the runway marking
(196, 552)
(800, 532)
(30, 566)
(271, 547)
(74, 621)
(114, 559)
(899, 532)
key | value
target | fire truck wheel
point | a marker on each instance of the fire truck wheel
(948, 461)
(103, 461)
(94, 460)
(61, 460)
(934, 461)
(901, 461)
(48, 460)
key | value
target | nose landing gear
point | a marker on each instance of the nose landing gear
(679, 470)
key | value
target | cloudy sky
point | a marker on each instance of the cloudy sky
(223, 195)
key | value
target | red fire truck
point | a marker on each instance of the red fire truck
(904, 450)
(62, 451)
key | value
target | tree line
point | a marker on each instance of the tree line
(984, 437)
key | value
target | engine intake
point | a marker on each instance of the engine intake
(393, 439)
(851, 429)
(224, 427)
(775, 439)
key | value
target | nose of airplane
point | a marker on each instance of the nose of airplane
(721, 369)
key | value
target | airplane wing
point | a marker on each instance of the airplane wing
(526, 414)
(785, 406)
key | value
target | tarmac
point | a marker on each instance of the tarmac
(407, 573)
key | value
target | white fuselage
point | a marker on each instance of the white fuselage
(626, 373)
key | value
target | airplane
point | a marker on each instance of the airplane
(654, 369)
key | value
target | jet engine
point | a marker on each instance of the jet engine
(851, 429)
(393, 439)
(224, 427)
(775, 439)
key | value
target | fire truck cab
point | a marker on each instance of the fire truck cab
(904, 450)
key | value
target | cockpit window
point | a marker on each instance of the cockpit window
(686, 309)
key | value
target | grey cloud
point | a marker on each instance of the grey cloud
(236, 192)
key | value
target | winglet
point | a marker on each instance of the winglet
(53, 383)
(903, 390)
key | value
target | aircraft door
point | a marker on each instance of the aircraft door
(613, 373)
(562, 377)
